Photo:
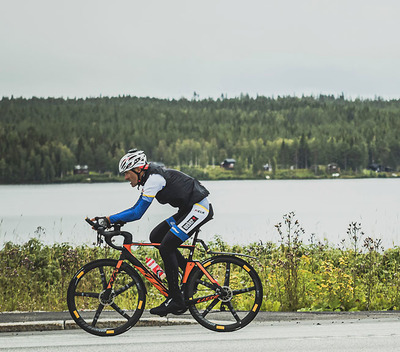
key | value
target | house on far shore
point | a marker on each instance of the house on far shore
(379, 168)
(332, 168)
(81, 170)
(228, 164)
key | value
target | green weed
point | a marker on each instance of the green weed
(356, 275)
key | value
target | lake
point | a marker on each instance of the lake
(245, 211)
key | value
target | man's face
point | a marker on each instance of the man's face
(131, 177)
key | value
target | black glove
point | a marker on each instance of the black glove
(103, 221)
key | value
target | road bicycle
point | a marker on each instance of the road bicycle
(107, 297)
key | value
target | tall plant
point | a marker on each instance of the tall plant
(289, 261)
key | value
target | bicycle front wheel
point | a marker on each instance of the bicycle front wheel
(232, 306)
(101, 311)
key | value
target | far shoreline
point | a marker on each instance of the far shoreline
(203, 175)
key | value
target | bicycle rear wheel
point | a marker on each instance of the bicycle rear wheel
(233, 306)
(105, 312)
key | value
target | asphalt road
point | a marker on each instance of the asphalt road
(335, 334)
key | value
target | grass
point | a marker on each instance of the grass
(357, 274)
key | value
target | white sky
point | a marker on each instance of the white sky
(169, 49)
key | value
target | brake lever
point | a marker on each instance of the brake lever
(99, 240)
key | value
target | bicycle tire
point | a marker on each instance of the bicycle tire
(88, 306)
(231, 309)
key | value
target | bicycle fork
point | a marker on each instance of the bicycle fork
(106, 295)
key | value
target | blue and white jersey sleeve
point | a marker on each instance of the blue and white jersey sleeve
(153, 185)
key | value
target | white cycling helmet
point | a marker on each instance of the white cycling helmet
(134, 158)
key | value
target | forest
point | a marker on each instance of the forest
(42, 139)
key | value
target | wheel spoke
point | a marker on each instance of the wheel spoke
(103, 277)
(227, 273)
(97, 314)
(210, 306)
(124, 288)
(87, 294)
(120, 311)
(233, 311)
(243, 290)
(205, 283)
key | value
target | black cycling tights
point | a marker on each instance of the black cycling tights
(171, 256)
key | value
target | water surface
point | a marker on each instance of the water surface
(245, 211)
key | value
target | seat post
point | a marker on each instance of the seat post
(194, 241)
(196, 234)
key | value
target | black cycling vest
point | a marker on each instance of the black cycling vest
(181, 190)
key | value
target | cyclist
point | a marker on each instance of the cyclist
(180, 191)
